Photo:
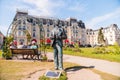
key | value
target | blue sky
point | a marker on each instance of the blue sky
(94, 13)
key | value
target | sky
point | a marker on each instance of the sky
(94, 13)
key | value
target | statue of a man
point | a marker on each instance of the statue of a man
(57, 35)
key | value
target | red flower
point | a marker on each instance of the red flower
(48, 40)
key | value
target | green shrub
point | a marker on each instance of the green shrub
(6, 53)
(116, 48)
(69, 49)
(102, 50)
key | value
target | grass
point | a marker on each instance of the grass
(15, 70)
(106, 76)
(88, 52)
(0, 53)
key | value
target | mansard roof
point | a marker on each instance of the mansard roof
(31, 18)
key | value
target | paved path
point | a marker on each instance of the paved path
(101, 65)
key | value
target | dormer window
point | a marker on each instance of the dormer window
(51, 22)
(44, 21)
(34, 23)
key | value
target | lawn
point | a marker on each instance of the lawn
(15, 70)
(89, 52)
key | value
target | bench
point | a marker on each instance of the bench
(28, 52)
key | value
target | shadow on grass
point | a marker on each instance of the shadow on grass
(75, 68)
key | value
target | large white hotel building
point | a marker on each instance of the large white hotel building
(40, 27)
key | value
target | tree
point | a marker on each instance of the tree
(101, 37)
(6, 50)
(27, 35)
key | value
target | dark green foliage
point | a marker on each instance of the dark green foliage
(6, 50)
(102, 50)
(27, 35)
(101, 37)
(48, 46)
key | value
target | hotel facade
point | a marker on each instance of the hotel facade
(40, 28)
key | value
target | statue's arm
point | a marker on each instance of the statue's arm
(52, 36)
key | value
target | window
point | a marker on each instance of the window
(21, 40)
(24, 28)
(44, 21)
(22, 33)
(19, 28)
(48, 22)
(19, 33)
(34, 23)
(51, 22)
(48, 30)
(34, 34)
(24, 22)
(41, 29)
(19, 21)
(47, 34)
(34, 29)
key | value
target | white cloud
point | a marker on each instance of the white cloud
(78, 7)
(43, 7)
(97, 20)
